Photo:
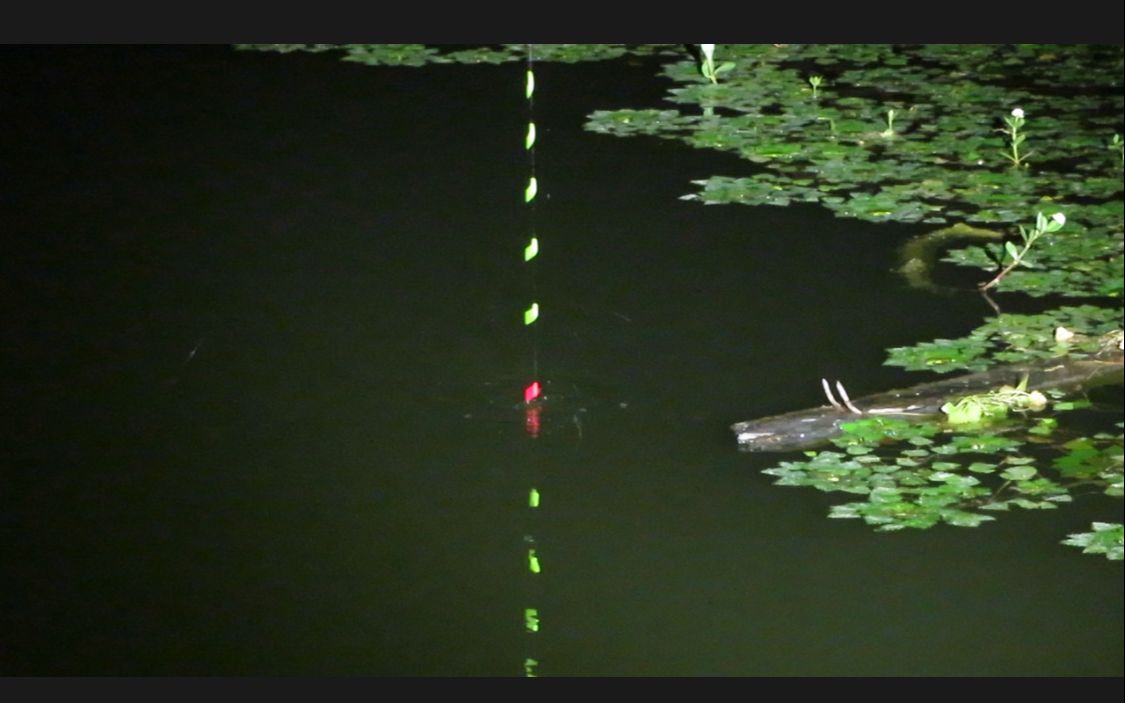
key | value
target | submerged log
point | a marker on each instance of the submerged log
(804, 429)
(918, 255)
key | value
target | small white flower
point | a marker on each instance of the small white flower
(1059, 217)
(1018, 113)
(708, 50)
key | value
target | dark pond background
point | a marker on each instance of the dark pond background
(264, 355)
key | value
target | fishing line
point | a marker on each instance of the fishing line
(531, 250)
(533, 390)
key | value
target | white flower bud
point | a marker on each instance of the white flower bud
(1018, 113)
(1059, 217)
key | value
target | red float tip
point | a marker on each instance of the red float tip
(531, 392)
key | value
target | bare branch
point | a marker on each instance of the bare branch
(846, 399)
(828, 394)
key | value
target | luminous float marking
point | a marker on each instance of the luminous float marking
(531, 314)
(534, 389)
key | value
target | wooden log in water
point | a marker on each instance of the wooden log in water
(803, 429)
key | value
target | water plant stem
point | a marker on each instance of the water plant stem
(815, 82)
(1042, 226)
(1015, 138)
(890, 130)
(709, 70)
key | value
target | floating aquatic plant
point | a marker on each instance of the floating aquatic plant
(1106, 538)
(947, 92)
(421, 54)
(956, 479)
(1016, 338)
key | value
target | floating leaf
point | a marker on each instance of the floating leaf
(1018, 473)
(981, 467)
(1106, 538)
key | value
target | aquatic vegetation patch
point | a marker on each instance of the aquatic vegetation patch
(1012, 337)
(1106, 538)
(924, 474)
(640, 121)
(943, 355)
(936, 133)
(1088, 458)
(1078, 263)
(985, 408)
(422, 54)
(1017, 253)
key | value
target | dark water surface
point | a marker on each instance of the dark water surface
(264, 350)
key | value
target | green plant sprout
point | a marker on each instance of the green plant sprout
(890, 130)
(994, 404)
(1042, 226)
(815, 82)
(1119, 145)
(708, 68)
(1015, 137)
